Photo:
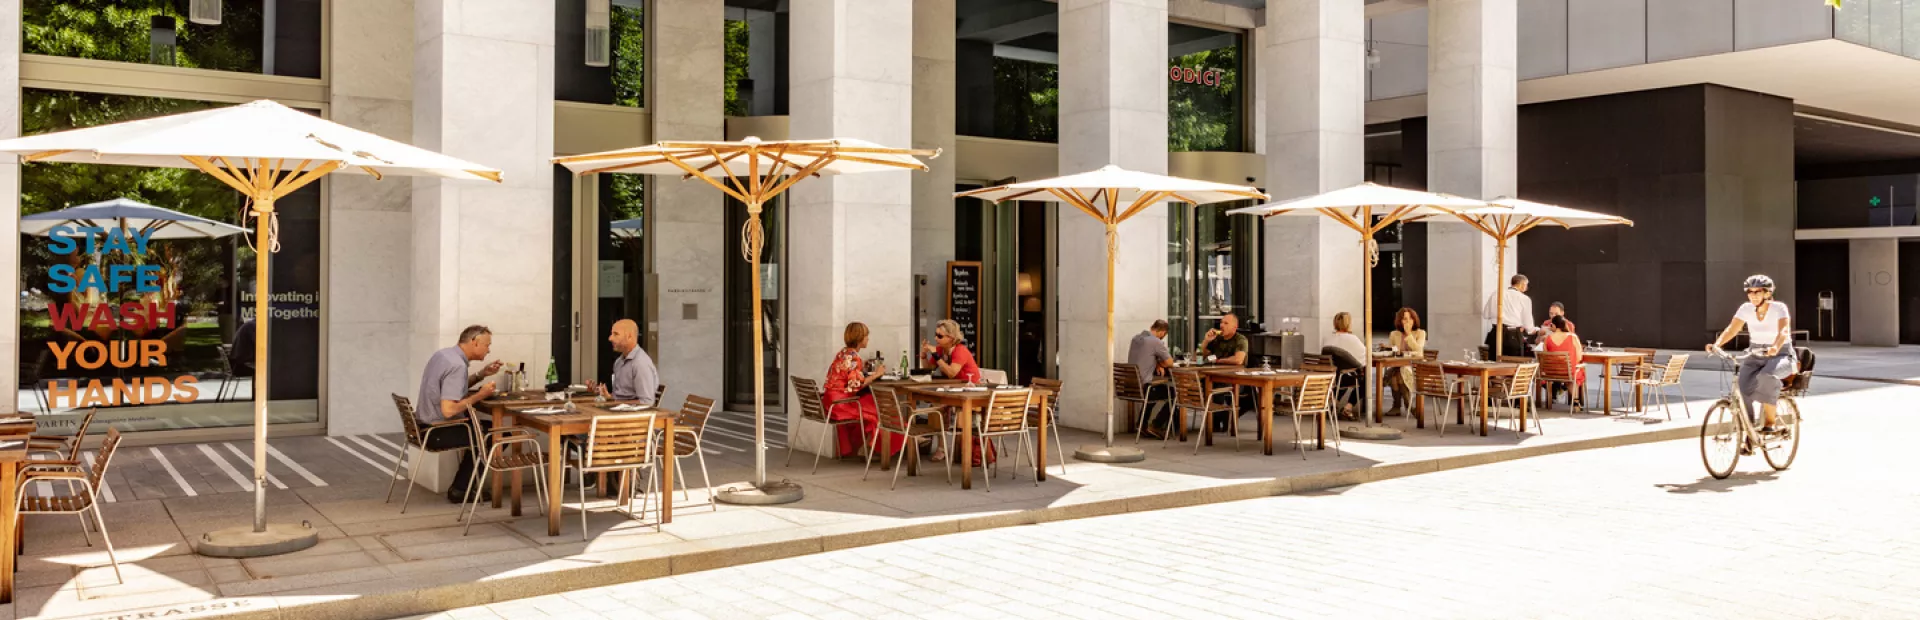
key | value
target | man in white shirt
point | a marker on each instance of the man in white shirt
(1516, 315)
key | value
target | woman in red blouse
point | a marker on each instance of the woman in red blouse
(846, 379)
(948, 354)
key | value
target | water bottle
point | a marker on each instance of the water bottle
(553, 371)
(903, 362)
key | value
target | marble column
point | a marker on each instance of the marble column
(686, 89)
(1873, 303)
(10, 201)
(1113, 110)
(934, 106)
(483, 91)
(370, 221)
(1471, 151)
(1315, 142)
(849, 254)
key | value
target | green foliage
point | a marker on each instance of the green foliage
(1026, 100)
(629, 56)
(1202, 117)
(737, 64)
(119, 30)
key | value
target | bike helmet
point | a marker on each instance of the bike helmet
(1759, 281)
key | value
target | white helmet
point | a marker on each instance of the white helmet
(1760, 281)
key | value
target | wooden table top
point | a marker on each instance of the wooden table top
(1255, 376)
(17, 424)
(1391, 360)
(583, 417)
(1602, 357)
(531, 398)
(1479, 368)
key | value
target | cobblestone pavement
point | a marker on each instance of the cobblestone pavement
(1634, 532)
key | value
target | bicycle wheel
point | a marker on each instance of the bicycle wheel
(1720, 439)
(1782, 447)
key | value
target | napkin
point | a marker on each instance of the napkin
(12, 420)
(544, 410)
(628, 408)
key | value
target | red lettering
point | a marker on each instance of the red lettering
(65, 316)
(1191, 76)
(155, 313)
(1212, 78)
(1173, 73)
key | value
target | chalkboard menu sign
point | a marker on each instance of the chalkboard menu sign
(963, 298)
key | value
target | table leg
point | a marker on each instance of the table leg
(1320, 422)
(1378, 382)
(556, 461)
(1040, 447)
(1485, 384)
(667, 462)
(966, 446)
(1419, 412)
(8, 518)
(1606, 388)
(1266, 418)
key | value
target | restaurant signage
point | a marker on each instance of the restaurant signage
(963, 298)
(98, 279)
(1204, 76)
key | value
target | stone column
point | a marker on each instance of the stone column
(1471, 146)
(1314, 75)
(849, 254)
(10, 202)
(688, 230)
(934, 67)
(1874, 302)
(483, 91)
(1113, 110)
(370, 222)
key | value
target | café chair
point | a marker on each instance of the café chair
(63, 447)
(1052, 388)
(1315, 400)
(659, 394)
(1342, 391)
(1191, 398)
(1556, 368)
(1662, 379)
(1006, 416)
(81, 496)
(1627, 376)
(1431, 382)
(503, 457)
(898, 417)
(813, 406)
(1136, 396)
(1512, 399)
(619, 443)
(417, 438)
(688, 430)
(993, 377)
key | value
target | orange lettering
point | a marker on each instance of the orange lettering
(127, 392)
(61, 353)
(188, 393)
(57, 390)
(153, 353)
(95, 397)
(158, 390)
(99, 355)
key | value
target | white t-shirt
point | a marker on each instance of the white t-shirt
(1349, 342)
(1763, 332)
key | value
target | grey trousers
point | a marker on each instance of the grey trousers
(1760, 377)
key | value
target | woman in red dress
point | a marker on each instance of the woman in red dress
(949, 354)
(847, 378)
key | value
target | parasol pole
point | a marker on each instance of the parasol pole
(1112, 241)
(1366, 314)
(1499, 297)
(263, 215)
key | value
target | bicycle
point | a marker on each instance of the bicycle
(1725, 436)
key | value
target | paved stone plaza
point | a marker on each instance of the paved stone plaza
(1630, 532)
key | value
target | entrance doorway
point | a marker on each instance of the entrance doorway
(600, 262)
(739, 302)
(1012, 243)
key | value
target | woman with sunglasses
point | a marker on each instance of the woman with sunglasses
(1771, 341)
(949, 354)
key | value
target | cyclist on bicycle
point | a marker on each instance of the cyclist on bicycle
(1772, 358)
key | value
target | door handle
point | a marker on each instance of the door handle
(576, 326)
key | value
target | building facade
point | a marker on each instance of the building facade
(1742, 136)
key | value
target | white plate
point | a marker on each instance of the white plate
(629, 408)
(543, 411)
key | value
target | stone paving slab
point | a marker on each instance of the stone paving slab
(375, 562)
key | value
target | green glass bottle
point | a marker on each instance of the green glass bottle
(553, 371)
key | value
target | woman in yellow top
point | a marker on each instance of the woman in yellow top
(1406, 339)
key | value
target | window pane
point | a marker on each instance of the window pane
(622, 81)
(1007, 70)
(1204, 100)
(274, 37)
(175, 372)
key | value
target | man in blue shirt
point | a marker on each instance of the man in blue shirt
(634, 375)
(444, 398)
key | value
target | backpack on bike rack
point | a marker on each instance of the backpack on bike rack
(1796, 384)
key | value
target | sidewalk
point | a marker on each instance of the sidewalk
(374, 563)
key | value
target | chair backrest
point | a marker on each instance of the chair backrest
(1126, 382)
(1007, 411)
(619, 439)
(995, 377)
(407, 422)
(1523, 378)
(1050, 387)
(1516, 359)
(1675, 365)
(659, 393)
(80, 434)
(1315, 393)
(1556, 366)
(694, 413)
(812, 402)
(1341, 359)
(1430, 379)
(1430, 355)
(1189, 392)
(1316, 363)
(893, 415)
(107, 448)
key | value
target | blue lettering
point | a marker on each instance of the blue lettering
(93, 242)
(140, 238)
(90, 279)
(148, 279)
(60, 240)
(62, 276)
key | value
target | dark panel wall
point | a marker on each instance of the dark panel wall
(1858, 202)
(1822, 266)
(1910, 293)
(1706, 174)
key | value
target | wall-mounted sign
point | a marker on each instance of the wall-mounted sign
(95, 273)
(1187, 75)
(963, 298)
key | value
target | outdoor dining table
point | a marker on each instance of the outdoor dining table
(497, 408)
(1486, 371)
(1265, 381)
(964, 401)
(1606, 360)
(1382, 364)
(557, 426)
(13, 455)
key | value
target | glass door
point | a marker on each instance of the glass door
(600, 269)
(740, 310)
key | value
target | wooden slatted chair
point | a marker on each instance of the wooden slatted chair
(417, 439)
(1430, 381)
(688, 431)
(1191, 398)
(1315, 400)
(1628, 375)
(898, 417)
(80, 496)
(659, 394)
(509, 449)
(1556, 368)
(813, 406)
(63, 447)
(1663, 379)
(620, 443)
(1128, 389)
(1051, 387)
(1006, 416)
(1505, 394)
(1315, 362)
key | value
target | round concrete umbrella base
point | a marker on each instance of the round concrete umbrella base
(1105, 454)
(1377, 433)
(783, 492)
(243, 542)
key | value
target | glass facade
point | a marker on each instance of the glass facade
(578, 73)
(272, 37)
(175, 351)
(1007, 70)
(756, 62)
(1206, 100)
(739, 303)
(1213, 268)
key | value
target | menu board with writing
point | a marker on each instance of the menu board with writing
(963, 298)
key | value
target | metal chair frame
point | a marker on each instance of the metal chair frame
(77, 501)
(417, 438)
(692, 424)
(65, 447)
(1662, 378)
(1052, 388)
(623, 443)
(1006, 415)
(1430, 381)
(813, 406)
(1190, 396)
(1514, 399)
(1557, 368)
(1315, 399)
(500, 460)
(898, 417)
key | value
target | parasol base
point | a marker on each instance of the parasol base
(1376, 433)
(746, 494)
(1109, 454)
(243, 542)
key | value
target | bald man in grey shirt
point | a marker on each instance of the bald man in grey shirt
(634, 375)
